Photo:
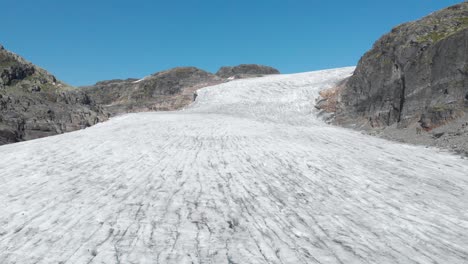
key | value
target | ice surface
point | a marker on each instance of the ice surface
(247, 174)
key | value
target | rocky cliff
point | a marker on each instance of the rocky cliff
(412, 86)
(34, 104)
(416, 74)
(162, 91)
(245, 71)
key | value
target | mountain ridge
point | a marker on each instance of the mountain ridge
(162, 91)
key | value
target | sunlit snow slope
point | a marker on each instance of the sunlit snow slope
(247, 174)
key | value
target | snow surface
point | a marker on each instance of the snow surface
(247, 174)
(142, 79)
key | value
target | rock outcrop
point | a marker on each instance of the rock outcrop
(163, 91)
(34, 104)
(412, 86)
(246, 71)
(416, 73)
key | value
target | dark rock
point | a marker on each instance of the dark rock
(7, 135)
(40, 115)
(34, 89)
(244, 70)
(34, 104)
(417, 72)
(16, 73)
(438, 135)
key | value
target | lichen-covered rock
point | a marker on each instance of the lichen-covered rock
(244, 70)
(416, 73)
(162, 91)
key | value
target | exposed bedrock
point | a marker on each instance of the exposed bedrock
(416, 73)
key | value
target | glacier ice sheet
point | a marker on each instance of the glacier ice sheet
(246, 174)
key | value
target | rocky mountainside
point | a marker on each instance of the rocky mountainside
(162, 91)
(245, 71)
(34, 104)
(412, 86)
(416, 73)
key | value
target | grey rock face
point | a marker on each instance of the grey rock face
(162, 91)
(246, 69)
(34, 104)
(25, 117)
(416, 73)
(16, 72)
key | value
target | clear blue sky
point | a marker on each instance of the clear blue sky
(84, 41)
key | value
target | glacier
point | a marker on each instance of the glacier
(246, 174)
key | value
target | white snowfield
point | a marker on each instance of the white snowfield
(247, 174)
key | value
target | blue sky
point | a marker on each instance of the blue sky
(85, 41)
